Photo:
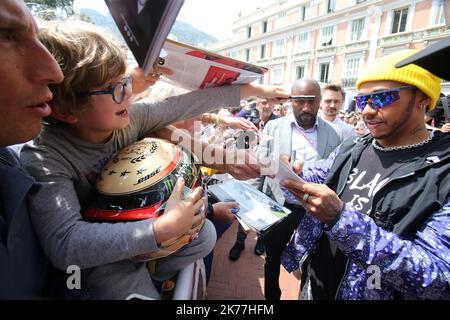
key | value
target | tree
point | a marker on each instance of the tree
(49, 9)
(83, 17)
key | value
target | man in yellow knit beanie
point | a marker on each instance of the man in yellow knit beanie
(384, 69)
(379, 206)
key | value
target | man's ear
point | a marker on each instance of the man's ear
(423, 100)
(63, 115)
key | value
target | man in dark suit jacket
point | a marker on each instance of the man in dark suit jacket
(24, 95)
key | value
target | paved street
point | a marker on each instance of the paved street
(243, 279)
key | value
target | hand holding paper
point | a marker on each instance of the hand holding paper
(142, 82)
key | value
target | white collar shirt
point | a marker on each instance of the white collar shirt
(304, 143)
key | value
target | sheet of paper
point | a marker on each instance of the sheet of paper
(286, 172)
(257, 210)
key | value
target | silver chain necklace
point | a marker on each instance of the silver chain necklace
(409, 146)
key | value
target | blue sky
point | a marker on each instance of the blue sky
(211, 16)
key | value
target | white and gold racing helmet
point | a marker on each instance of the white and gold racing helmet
(136, 183)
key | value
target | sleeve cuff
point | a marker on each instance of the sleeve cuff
(329, 226)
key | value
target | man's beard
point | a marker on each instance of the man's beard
(331, 112)
(305, 120)
(266, 114)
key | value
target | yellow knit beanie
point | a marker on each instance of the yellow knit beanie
(384, 69)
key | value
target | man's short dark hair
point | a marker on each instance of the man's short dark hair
(335, 88)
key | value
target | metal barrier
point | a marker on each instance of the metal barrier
(190, 279)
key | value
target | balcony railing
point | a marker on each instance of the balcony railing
(302, 56)
(326, 51)
(279, 59)
(356, 46)
(409, 37)
(396, 39)
(349, 82)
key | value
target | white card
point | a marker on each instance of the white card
(286, 172)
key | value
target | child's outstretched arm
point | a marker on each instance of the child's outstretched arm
(146, 117)
(240, 163)
(261, 90)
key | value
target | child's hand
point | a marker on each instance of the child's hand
(222, 211)
(237, 123)
(446, 127)
(179, 215)
(142, 82)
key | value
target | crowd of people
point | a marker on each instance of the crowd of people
(252, 108)
(374, 200)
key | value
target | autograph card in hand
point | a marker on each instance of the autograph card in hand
(286, 172)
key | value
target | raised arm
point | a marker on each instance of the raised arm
(240, 163)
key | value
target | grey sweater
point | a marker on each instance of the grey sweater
(66, 168)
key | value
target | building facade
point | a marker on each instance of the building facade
(332, 40)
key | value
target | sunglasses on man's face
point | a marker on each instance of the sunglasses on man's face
(380, 99)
